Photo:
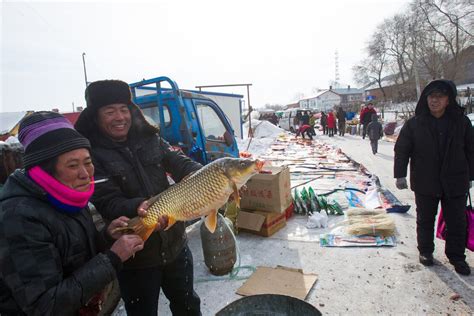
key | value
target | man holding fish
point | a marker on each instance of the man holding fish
(132, 162)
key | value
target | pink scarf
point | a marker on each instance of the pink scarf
(59, 191)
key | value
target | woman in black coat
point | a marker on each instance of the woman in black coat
(53, 261)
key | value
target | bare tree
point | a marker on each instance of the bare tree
(275, 107)
(373, 68)
(427, 41)
(315, 90)
(298, 95)
(448, 27)
(396, 34)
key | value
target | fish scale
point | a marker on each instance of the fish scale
(206, 190)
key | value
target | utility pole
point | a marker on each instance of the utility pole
(84, 64)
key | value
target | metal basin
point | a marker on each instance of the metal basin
(268, 305)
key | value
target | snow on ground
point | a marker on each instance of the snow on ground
(264, 134)
(257, 146)
(401, 106)
(263, 129)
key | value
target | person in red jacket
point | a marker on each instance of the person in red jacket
(308, 129)
(331, 123)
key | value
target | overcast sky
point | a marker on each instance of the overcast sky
(281, 47)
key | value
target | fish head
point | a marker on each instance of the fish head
(239, 170)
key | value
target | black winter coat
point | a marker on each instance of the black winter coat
(324, 120)
(49, 261)
(137, 170)
(418, 143)
(375, 129)
(341, 116)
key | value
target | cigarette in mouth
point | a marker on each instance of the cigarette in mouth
(100, 181)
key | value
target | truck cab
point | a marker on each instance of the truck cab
(186, 119)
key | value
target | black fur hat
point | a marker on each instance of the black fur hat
(105, 92)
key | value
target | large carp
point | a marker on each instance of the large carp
(201, 194)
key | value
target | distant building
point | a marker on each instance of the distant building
(323, 101)
(350, 96)
(292, 106)
(391, 90)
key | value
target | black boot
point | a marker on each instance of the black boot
(461, 267)
(426, 259)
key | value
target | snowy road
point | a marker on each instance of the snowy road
(415, 288)
(352, 281)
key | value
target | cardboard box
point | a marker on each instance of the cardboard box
(279, 280)
(290, 210)
(268, 192)
(261, 222)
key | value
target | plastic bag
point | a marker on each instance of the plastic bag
(371, 198)
(317, 220)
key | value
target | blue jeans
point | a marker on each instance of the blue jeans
(140, 288)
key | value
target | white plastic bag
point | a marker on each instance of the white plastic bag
(371, 199)
(317, 220)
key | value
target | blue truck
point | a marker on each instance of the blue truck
(186, 119)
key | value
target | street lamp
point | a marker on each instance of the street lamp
(84, 64)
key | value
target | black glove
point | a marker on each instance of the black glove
(401, 183)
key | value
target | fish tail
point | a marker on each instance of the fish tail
(139, 228)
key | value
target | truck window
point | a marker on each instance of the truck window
(152, 115)
(211, 123)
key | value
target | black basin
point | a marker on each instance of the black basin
(268, 305)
